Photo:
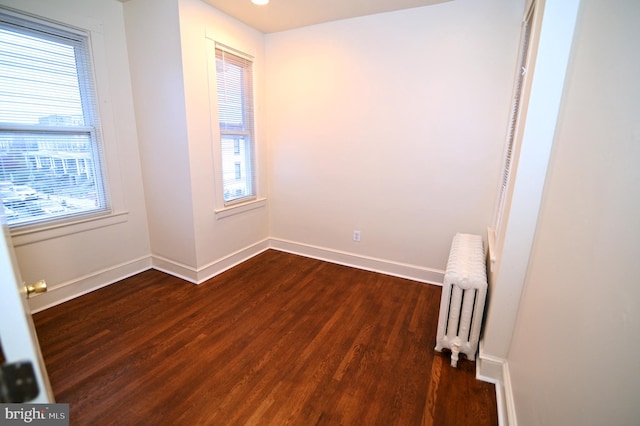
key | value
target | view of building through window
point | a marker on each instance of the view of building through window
(49, 152)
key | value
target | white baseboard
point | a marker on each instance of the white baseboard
(387, 267)
(508, 394)
(210, 270)
(496, 370)
(177, 269)
(220, 265)
(88, 283)
(489, 369)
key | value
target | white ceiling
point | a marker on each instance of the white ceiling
(280, 15)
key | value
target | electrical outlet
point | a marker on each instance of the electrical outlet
(356, 236)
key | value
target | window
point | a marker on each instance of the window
(235, 111)
(514, 121)
(50, 153)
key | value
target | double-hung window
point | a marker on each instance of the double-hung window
(234, 79)
(514, 121)
(50, 152)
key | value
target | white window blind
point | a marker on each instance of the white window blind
(50, 155)
(514, 120)
(234, 80)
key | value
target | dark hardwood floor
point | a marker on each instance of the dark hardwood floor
(280, 339)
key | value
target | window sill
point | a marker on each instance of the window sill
(21, 237)
(240, 208)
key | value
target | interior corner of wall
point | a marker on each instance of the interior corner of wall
(489, 368)
(495, 370)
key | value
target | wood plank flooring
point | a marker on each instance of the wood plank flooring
(278, 340)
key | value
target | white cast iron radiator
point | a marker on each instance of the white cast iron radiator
(463, 295)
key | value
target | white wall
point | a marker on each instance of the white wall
(573, 360)
(76, 258)
(168, 46)
(155, 54)
(392, 124)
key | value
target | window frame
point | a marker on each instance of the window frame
(40, 29)
(111, 176)
(239, 148)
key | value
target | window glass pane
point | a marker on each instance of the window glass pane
(236, 167)
(230, 96)
(39, 80)
(45, 176)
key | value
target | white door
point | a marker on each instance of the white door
(17, 332)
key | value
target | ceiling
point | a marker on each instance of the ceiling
(281, 15)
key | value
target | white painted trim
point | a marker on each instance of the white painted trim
(210, 270)
(82, 285)
(21, 236)
(508, 394)
(387, 267)
(490, 369)
(88, 283)
(85, 284)
(177, 269)
(240, 208)
(496, 370)
(501, 406)
(202, 274)
(221, 265)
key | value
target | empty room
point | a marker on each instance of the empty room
(247, 213)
